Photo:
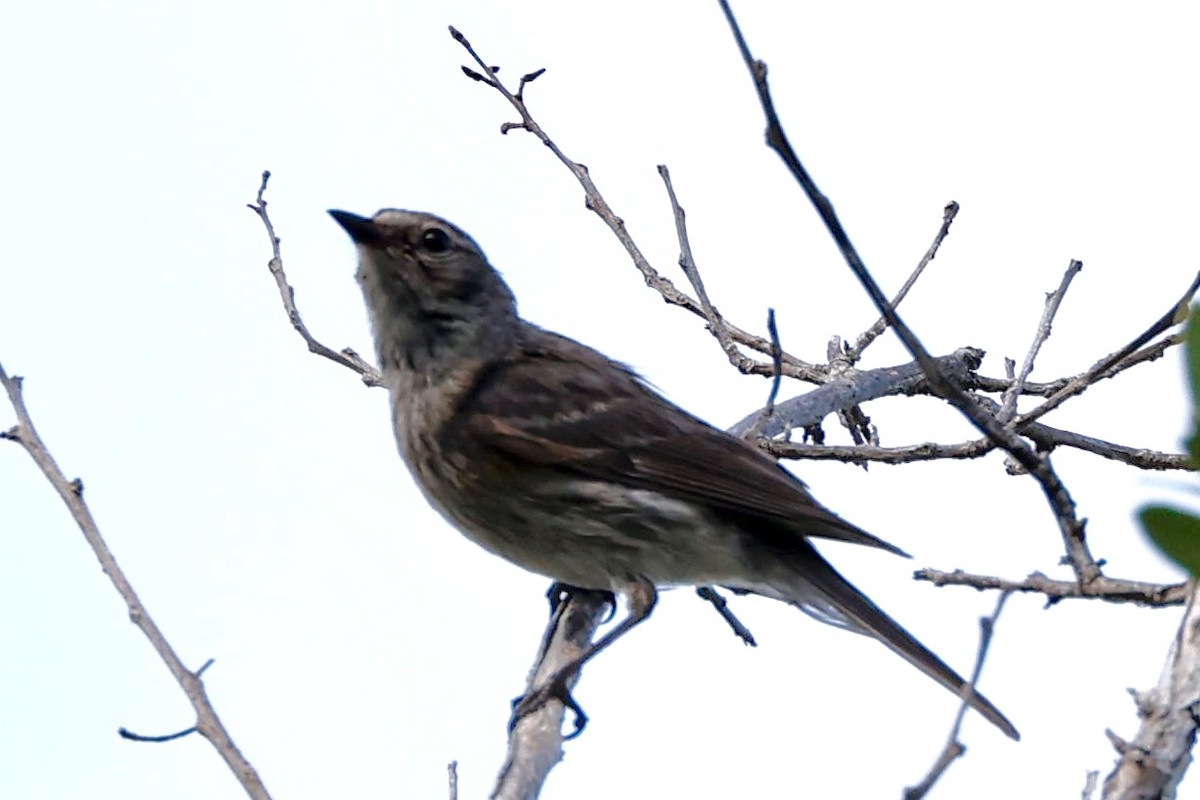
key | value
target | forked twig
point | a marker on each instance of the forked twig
(208, 724)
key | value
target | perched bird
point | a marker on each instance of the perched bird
(562, 461)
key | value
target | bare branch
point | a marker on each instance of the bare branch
(1155, 762)
(954, 749)
(596, 203)
(1151, 352)
(125, 733)
(1044, 436)
(714, 597)
(1053, 301)
(71, 491)
(854, 387)
(871, 334)
(1047, 438)
(754, 429)
(535, 741)
(1114, 590)
(347, 357)
(1113, 362)
(776, 362)
(1056, 492)
(716, 324)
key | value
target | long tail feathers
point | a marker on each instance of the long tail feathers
(816, 588)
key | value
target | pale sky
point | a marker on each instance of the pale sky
(252, 491)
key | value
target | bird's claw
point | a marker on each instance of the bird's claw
(553, 689)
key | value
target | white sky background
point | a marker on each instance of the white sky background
(253, 493)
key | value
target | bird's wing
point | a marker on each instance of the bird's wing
(571, 409)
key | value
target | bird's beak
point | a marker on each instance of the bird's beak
(361, 229)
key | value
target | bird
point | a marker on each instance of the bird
(560, 460)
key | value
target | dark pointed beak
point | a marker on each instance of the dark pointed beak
(361, 229)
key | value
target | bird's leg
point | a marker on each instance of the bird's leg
(560, 592)
(641, 597)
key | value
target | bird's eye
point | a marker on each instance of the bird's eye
(435, 240)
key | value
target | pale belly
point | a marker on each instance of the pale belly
(590, 535)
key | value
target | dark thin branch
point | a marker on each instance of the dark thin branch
(1151, 352)
(953, 748)
(754, 429)
(1057, 494)
(777, 363)
(854, 353)
(718, 602)
(208, 723)
(125, 733)
(1047, 438)
(1176, 315)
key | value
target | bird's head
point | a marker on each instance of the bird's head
(433, 298)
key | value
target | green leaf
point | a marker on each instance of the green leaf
(1177, 534)
(1192, 343)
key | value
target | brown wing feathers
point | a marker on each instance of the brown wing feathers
(611, 432)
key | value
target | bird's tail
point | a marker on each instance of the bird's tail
(807, 581)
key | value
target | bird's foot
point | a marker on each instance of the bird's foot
(553, 689)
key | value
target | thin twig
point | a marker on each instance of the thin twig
(854, 353)
(718, 602)
(595, 202)
(776, 362)
(716, 324)
(1176, 315)
(347, 357)
(1008, 406)
(71, 491)
(754, 429)
(1056, 492)
(953, 748)
(1147, 354)
(1045, 437)
(125, 733)
(1113, 590)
